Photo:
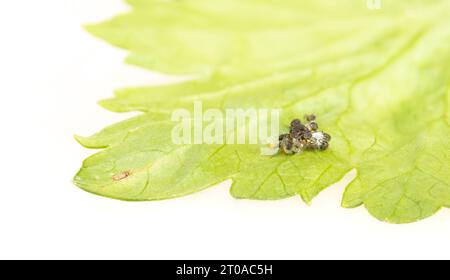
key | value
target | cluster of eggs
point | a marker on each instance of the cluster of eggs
(304, 137)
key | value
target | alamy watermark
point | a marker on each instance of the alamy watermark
(229, 126)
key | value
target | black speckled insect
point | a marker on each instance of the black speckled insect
(304, 137)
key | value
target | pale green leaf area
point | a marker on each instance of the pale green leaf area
(378, 80)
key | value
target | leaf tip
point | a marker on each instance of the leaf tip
(92, 29)
(306, 198)
(80, 139)
(89, 142)
(106, 104)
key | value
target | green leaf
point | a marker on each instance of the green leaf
(378, 80)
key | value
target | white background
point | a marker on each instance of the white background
(51, 75)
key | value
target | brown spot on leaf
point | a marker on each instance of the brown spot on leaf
(120, 176)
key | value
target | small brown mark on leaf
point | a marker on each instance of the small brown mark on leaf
(121, 176)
